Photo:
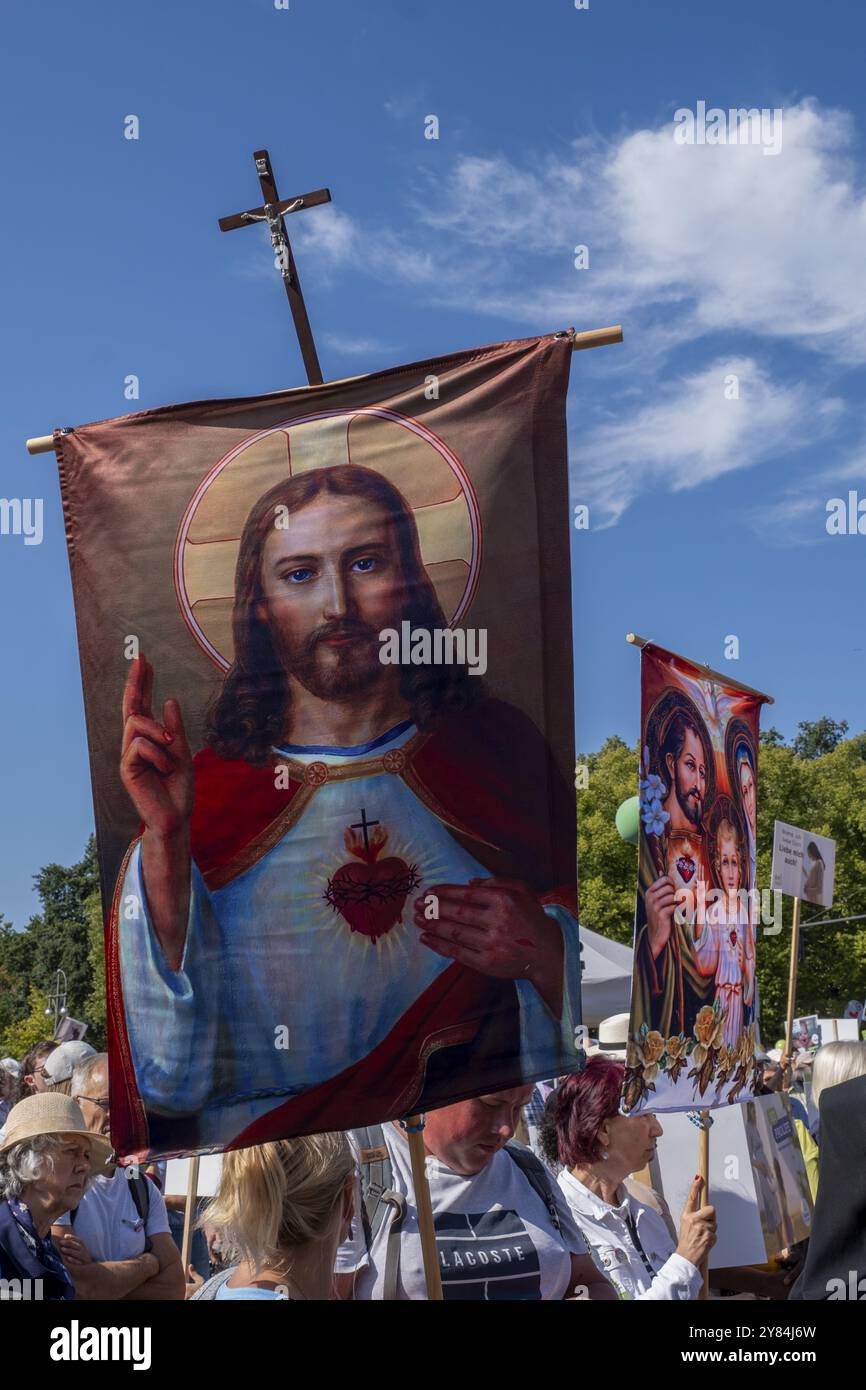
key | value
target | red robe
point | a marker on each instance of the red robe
(488, 775)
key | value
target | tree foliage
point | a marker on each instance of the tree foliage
(62, 936)
(32, 1027)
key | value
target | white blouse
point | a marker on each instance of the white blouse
(631, 1244)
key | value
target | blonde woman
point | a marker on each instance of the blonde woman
(281, 1211)
(834, 1063)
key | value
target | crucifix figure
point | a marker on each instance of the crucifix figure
(364, 825)
(273, 212)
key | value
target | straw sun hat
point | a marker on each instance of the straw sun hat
(49, 1113)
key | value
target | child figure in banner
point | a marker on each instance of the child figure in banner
(724, 943)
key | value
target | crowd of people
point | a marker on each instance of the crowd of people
(559, 1216)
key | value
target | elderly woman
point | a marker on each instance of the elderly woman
(629, 1237)
(281, 1211)
(835, 1063)
(47, 1158)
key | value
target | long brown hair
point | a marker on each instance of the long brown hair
(249, 715)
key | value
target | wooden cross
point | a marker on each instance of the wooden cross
(273, 213)
(364, 824)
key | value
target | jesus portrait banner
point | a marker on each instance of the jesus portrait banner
(694, 1003)
(325, 639)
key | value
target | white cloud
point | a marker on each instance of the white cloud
(691, 433)
(338, 240)
(686, 242)
(769, 245)
(721, 236)
(329, 232)
(492, 204)
(354, 346)
(799, 515)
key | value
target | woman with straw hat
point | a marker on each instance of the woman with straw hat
(47, 1158)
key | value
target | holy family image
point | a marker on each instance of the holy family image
(338, 890)
(694, 998)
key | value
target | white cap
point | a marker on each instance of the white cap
(9, 1064)
(64, 1059)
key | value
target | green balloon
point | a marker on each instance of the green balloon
(628, 820)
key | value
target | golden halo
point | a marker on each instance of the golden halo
(407, 453)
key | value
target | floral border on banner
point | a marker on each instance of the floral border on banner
(714, 1063)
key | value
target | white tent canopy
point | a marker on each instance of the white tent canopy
(606, 980)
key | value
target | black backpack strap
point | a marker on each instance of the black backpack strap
(538, 1177)
(377, 1198)
(140, 1189)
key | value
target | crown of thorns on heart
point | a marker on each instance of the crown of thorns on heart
(658, 738)
(347, 889)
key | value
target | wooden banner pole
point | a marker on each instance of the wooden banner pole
(189, 1213)
(704, 1172)
(792, 978)
(418, 1156)
(593, 337)
(723, 679)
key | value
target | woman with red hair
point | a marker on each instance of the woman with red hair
(629, 1234)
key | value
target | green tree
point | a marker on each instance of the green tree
(818, 736)
(31, 1028)
(16, 952)
(607, 866)
(59, 933)
(770, 738)
(94, 1009)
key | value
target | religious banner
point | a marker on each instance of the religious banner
(694, 993)
(324, 639)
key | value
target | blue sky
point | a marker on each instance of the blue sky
(556, 129)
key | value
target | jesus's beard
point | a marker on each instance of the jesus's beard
(336, 673)
(691, 804)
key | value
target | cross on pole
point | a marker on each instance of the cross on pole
(364, 824)
(274, 212)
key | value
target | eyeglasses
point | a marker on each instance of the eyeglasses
(101, 1101)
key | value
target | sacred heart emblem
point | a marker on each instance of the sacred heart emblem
(733, 935)
(686, 867)
(370, 893)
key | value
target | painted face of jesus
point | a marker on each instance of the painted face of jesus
(747, 792)
(331, 581)
(690, 776)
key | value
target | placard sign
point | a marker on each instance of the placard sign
(804, 864)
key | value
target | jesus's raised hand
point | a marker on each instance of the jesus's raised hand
(155, 762)
(156, 770)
